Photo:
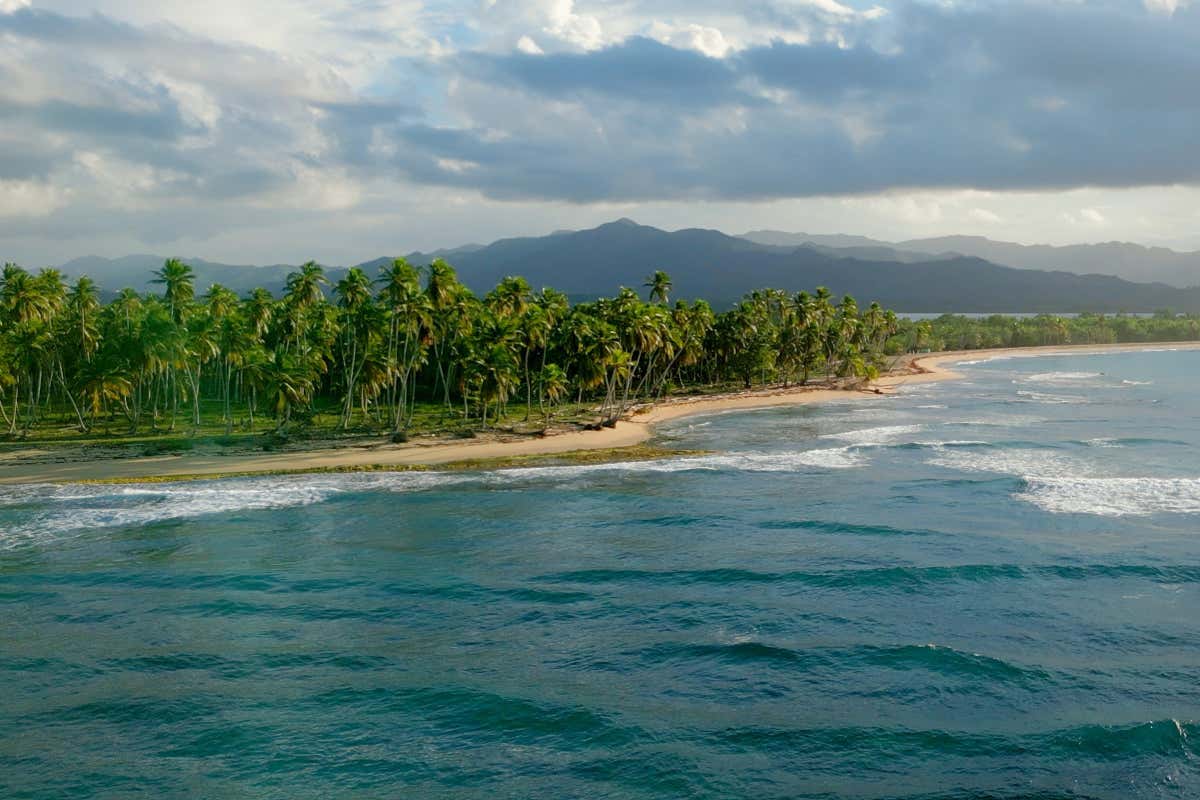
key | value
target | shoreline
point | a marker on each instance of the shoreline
(630, 432)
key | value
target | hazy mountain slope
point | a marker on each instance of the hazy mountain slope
(1133, 262)
(720, 268)
(137, 272)
(784, 239)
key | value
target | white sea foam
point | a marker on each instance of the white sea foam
(71, 508)
(953, 443)
(58, 510)
(846, 457)
(1102, 441)
(868, 437)
(1113, 497)
(996, 421)
(1062, 377)
(1137, 383)
(1022, 462)
(1046, 398)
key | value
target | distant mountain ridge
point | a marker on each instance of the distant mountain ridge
(1133, 262)
(721, 268)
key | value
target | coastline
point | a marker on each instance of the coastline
(628, 433)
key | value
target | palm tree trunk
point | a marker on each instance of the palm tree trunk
(12, 427)
(63, 379)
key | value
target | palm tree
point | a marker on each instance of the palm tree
(552, 307)
(447, 304)
(354, 299)
(290, 383)
(552, 384)
(83, 306)
(409, 316)
(660, 287)
(303, 293)
(179, 281)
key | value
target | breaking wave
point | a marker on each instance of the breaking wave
(869, 437)
(1062, 377)
(1113, 497)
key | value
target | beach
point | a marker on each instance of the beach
(638, 427)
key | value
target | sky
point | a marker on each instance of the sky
(342, 130)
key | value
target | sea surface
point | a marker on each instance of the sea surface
(987, 588)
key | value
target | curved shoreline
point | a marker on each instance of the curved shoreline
(925, 368)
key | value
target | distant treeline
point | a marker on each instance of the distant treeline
(956, 332)
(371, 348)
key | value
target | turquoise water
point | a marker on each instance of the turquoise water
(986, 588)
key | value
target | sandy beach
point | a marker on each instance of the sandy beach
(638, 428)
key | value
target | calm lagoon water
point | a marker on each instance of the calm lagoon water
(987, 588)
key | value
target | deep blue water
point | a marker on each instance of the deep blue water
(986, 588)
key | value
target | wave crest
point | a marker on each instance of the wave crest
(1113, 497)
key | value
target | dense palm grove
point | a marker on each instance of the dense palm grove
(372, 349)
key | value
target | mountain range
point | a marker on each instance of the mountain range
(916, 276)
(1133, 262)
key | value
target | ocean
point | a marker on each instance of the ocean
(985, 588)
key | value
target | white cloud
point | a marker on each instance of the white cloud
(529, 46)
(985, 216)
(30, 198)
(1168, 7)
(701, 38)
(1085, 217)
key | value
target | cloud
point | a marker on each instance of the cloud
(999, 96)
(1168, 7)
(985, 216)
(639, 70)
(235, 115)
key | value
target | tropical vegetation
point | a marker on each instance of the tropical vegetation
(383, 352)
(412, 348)
(958, 332)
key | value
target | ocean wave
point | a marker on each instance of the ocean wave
(929, 657)
(873, 578)
(867, 437)
(1137, 383)
(69, 508)
(937, 444)
(845, 457)
(978, 361)
(909, 579)
(58, 509)
(854, 529)
(1113, 497)
(1164, 737)
(1061, 377)
(1046, 398)
(996, 421)
(1018, 462)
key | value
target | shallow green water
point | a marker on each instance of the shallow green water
(981, 589)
